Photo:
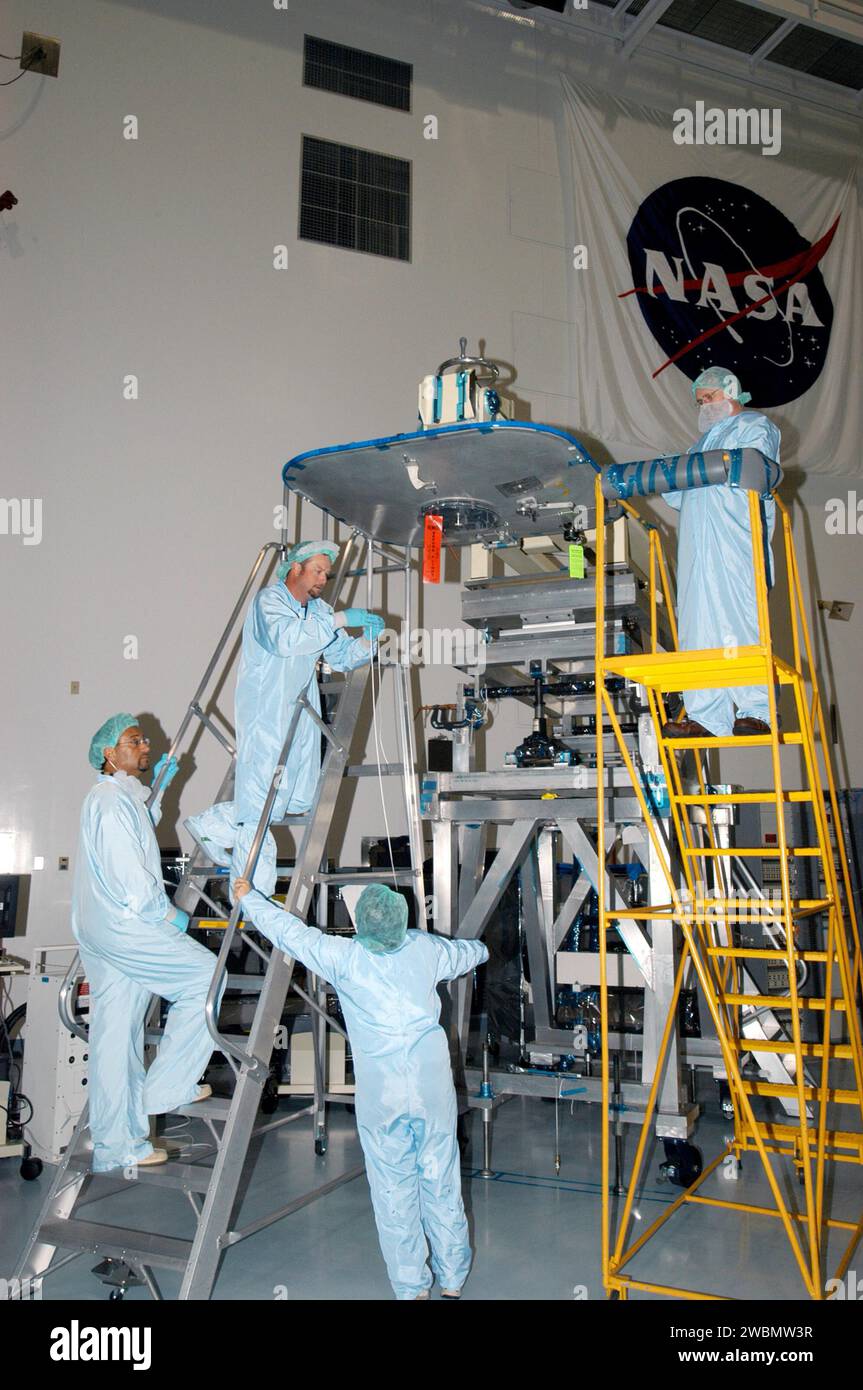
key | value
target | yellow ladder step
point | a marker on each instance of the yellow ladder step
(800, 907)
(766, 953)
(782, 1001)
(758, 852)
(778, 1088)
(731, 741)
(721, 917)
(718, 908)
(734, 798)
(835, 1138)
(841, 1051)
(696, 670)
(808, 907)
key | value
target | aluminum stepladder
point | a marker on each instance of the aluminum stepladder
(823, 1076)
(212, 1190)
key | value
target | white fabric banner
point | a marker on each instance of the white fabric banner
(704, 254)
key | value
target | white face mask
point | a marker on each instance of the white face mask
(711, 413)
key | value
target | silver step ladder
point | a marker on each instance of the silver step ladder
(378, 560)
(211, 1181)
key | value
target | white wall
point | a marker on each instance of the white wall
(154, 257)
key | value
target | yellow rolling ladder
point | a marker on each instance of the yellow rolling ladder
(825, 1076)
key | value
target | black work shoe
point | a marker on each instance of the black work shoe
(685, 728)
(746, 726)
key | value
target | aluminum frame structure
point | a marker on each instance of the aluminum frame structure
(531, 809)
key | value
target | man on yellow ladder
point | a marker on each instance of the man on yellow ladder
(715, 579)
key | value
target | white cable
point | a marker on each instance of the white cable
(380, 757)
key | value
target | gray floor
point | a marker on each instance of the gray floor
(536, 1235)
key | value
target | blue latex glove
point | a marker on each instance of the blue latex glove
(372, 624)
(173, 769)
(179, 918)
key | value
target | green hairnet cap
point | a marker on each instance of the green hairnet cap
(107, 736)
(304, 551)
(382, 919)
(720, 379)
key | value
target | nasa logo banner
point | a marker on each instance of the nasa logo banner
(712, 259)
(681, 257)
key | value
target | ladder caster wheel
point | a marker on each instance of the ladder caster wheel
(270, 1096)
(30, 1168)
(116, 1295)
(683, 1163)
(320, 1147)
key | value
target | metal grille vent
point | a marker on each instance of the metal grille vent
(726, 22)
(820, 55)
(354, 73)
(355, 198)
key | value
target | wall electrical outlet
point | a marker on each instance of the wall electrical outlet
(49, 58)
(836, 608)
(841, 610)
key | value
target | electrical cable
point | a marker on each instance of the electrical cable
(19, 1096)
(34, 57)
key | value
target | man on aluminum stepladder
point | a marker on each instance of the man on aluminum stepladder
(715, 579)
(387, 979)
(287, 628)
(132, 946)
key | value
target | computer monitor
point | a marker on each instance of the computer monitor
(14, 901)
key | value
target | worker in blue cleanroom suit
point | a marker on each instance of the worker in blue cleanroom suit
(715, 577)
(132, 947)
(287, 629)
(387, 980)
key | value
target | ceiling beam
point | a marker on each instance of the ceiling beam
(717, 61)
(642, 25)
(839, 20)
(772, 42)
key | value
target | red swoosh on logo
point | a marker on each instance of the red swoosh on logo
(795, 268)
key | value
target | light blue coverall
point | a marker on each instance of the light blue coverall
(131, 949)
(282, 642)
(715, 584)
(405, 1098)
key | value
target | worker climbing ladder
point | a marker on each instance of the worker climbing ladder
(823, 1074)
(211, 1179)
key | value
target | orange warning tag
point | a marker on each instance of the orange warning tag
(432, 536)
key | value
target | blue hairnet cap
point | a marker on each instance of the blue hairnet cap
(107, 735)
(304, 551)
(382, 919)
(720, 379)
